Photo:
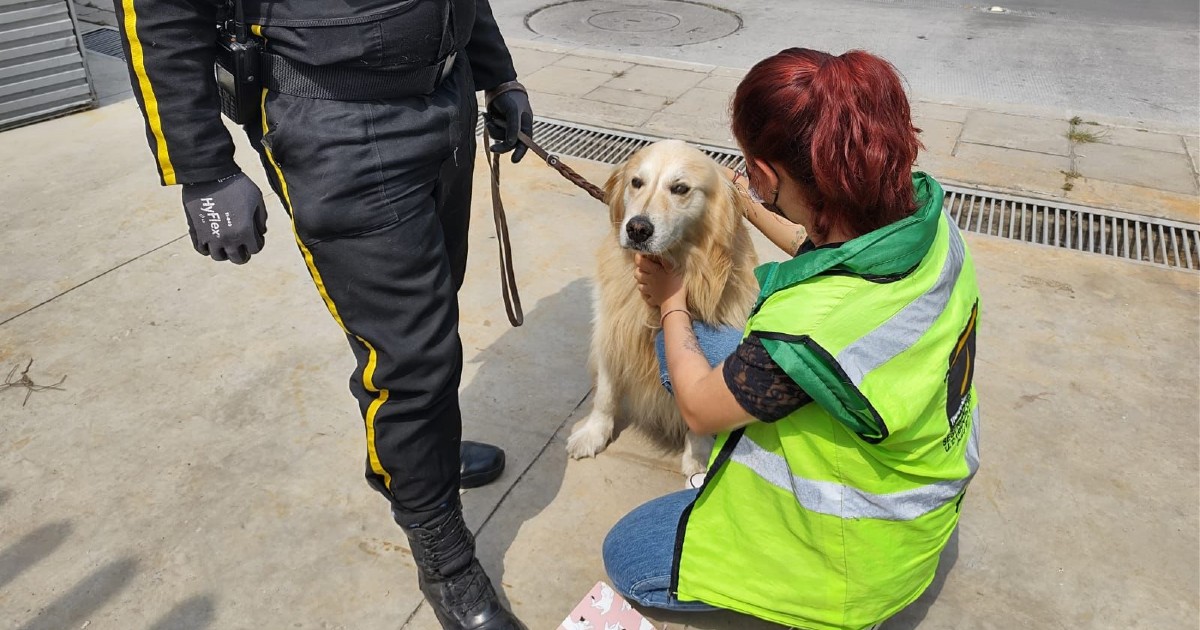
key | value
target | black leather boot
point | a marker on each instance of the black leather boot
(481, 463)
(451, 578)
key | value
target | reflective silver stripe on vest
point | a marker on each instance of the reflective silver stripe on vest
(908, 325)
(835, 499)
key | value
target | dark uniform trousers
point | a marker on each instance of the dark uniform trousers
(380, 198)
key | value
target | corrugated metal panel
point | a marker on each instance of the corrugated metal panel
(42, 70)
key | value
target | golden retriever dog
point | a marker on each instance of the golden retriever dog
(672, 201)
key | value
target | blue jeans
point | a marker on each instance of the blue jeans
(717, 344)
(639, 551)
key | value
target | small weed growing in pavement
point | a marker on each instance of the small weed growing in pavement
(1069, 179)
(618, 74)
(1081, 136)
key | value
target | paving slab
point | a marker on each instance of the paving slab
(640, 100)
(528, 61)
(702, 103)
(1024, 171)
(658, 62)
(1131, 165)
(565, 81)
(1042, 135)
(1133, 137)
(939, 111)
(737, 73)
(595, 64)
(939, 136)
(1137, 199)
(705, 129)
(660, 81)
(721, 83)
(590, 112)
(1193, 148)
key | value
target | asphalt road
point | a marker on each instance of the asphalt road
(1113, 58)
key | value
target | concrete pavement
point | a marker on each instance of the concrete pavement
(202, 468)
(1111, 163)
(1134, 60)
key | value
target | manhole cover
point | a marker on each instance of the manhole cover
(643, 23)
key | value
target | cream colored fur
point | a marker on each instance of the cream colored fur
(703, 234)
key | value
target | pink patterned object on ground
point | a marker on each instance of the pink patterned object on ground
(604, 609)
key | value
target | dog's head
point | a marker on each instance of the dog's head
(666, 191)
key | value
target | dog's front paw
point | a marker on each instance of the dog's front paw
(587, 440)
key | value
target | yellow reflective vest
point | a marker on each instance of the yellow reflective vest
(834, 516)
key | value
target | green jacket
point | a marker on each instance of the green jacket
(834, 516)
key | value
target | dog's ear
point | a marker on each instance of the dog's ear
(614, 191)
(732, 203)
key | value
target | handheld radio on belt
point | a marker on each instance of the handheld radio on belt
(238, 68)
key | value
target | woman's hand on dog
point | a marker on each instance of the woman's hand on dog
(660, 284)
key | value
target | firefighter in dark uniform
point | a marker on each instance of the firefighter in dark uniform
(367, 134)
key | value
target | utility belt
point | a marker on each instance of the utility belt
(244, 67)
(243, 73)
(342, 83)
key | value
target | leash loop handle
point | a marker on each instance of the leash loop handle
(508, 278)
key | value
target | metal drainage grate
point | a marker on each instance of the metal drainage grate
(105, 41)
(1160, 242)
(1150, 240)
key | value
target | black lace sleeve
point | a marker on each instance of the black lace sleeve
(759, 385)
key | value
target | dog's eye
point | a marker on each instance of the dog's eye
(636, 182)
(680, 189)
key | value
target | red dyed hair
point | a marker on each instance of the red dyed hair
(839, 125)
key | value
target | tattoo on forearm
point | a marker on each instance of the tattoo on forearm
(690, 343)
(795, 245)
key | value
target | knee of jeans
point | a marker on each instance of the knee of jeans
(608, 549)
(611, 552)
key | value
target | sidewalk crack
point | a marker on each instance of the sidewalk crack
(93, 278)
(534, 460)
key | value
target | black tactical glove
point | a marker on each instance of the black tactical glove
(226, 218)
(508, 112)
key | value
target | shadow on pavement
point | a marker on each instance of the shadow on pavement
(31, 549)
(85, 598)
(194, 613)
(561, 327)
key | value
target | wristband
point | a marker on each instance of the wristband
(663, 319)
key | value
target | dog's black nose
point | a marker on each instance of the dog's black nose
(639, 229)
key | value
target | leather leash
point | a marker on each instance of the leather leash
(508, 279)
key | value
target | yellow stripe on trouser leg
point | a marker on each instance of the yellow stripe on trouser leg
(150, 104)
(381, 395)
